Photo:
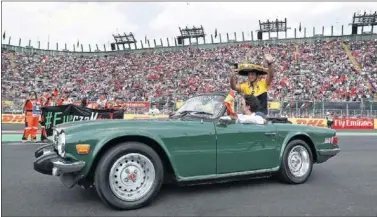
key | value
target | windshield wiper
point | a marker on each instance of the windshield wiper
(184, 113)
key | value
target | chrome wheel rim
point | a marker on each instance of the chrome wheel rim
(132, 176)
(299, 161)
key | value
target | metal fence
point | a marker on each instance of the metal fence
(291, 108)
(210, 42)
(320, 109)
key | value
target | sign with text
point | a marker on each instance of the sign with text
(144, 117)
(354, 123)
(12, 119)
(54, 115)
(318, 122)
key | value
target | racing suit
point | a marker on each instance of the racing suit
(44, 102)
(32, 116)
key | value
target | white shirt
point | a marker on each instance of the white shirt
(247, 119)
(250, 119)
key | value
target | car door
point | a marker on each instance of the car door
(245, 147)
(192, 147)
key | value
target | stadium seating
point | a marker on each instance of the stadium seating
(316, 71)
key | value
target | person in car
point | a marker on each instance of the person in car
(256, 85)
(250, 105)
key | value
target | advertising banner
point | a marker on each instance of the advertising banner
(143, 117)
(318, 122)
(354, 124)
(7, 102)
(273, 105)
(54, 115)
(12, 119)
(127, 104)
(178, 105)
(136, 104)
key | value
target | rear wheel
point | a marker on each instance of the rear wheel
(129, 176)
(297, 163)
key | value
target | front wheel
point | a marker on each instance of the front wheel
(297, 163)
(129, 176)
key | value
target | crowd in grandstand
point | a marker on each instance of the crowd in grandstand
(317, 71)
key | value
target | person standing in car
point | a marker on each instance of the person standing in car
(256, 85)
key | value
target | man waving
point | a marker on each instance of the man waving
(255, 85)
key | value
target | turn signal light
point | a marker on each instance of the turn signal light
(82, 148)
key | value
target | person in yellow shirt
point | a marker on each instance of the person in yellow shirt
(256, 85)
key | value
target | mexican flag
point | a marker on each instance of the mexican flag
(229, 103)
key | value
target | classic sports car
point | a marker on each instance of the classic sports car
(127, 161)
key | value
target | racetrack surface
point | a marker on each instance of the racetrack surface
(10, 127)
(345, 185)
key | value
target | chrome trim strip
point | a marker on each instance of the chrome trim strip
(228, 175)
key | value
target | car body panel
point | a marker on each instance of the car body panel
(199, 148)
(245, 147)
(189, 145)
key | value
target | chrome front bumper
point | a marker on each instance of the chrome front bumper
(48, 162)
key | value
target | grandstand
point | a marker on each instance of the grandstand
(314, 74)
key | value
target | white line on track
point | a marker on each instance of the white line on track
(355, 134)
(20, 143)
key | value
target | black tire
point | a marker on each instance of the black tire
(285, 175)
(102, 173)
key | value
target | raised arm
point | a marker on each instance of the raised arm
(271, 70)
(233, 81)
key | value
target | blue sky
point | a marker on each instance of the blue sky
(94, 23)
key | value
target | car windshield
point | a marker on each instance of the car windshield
(204, 104)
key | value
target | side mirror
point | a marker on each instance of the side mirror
(224, 121)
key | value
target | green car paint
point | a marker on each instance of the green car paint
(245, 147)
(198, 148)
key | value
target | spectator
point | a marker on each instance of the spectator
(318, 71)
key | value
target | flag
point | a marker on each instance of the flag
(229, 103)
(215, 33)
(4, 35)
(299, 28)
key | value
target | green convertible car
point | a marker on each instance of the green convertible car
(127, 161)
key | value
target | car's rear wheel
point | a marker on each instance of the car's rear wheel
(297, 163)
(129, 176)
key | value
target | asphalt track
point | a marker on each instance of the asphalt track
(346, 185)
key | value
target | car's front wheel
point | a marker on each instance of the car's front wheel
(129, 176)
(297, 163)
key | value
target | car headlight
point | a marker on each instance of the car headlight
(61, 144)
(55, 137)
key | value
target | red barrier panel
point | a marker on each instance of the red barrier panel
(353, 124)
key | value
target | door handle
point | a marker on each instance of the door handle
(270, 134)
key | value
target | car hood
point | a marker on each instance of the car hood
(113, 124)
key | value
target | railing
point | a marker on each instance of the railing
(364, 108)
(315, 109)
(208, 42)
